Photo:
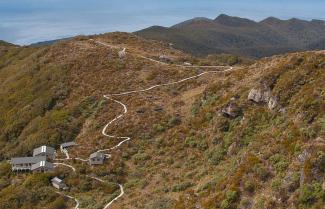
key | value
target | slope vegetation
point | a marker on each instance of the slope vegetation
(240, 137)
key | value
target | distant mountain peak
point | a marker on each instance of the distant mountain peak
(297, 21)
(227, 20)
(272, 20)
(195, 20)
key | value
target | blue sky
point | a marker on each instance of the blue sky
(29, 21)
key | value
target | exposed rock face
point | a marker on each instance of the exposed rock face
(122, 53)
(273, 103)
(263, 94)
(231, 110)
(260, 95)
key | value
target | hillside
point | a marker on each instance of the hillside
(179, 136)
(240, 36)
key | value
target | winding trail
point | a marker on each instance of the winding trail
(125, 139)
(104, 131)
(157, 61)
(125, 110)
(66, 165)
(116, 198)
(65, 151)
(168, 84)
(70, 197)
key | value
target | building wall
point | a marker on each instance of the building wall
(42, 170)
(96, 161)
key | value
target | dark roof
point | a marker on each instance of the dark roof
(41, 164)
(68, 144)
(97, 155)
(27, 160)
(44, 149)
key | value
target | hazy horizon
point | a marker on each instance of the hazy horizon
(30, 21)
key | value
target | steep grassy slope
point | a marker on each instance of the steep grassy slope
(54, 94)
(265, 158)
(197, 157)
(233, 35)
(184, 151)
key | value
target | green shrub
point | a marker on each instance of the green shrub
(279, 162)
(37, 180)
(249, 186)
(231, 197)
(159, 128)
(141, 157)
(59, 203)
(261, 172)
(216, 155)
(5, 169)
(174, 121)
(182, 187)
(191, 141)
(311, 194)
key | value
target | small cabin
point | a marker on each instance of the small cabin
(46, 151)
(59, 184)
(67, 145)
(96, 158)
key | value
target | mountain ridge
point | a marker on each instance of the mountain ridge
(240, 36)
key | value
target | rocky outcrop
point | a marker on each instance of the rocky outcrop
(231, 110)
(164, 58)
(263, 95)
(273, 103)
(122, 53)
(260, 95)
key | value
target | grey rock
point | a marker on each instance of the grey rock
(141, 111)
(273, 103)
(303, 156)
(232, 149)
(164, 58)
(291, 181)
(302, 159)
(260, 95)
(231, 110)
(158, 109)
(282, 110)
(263, 94)
(122, 53)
